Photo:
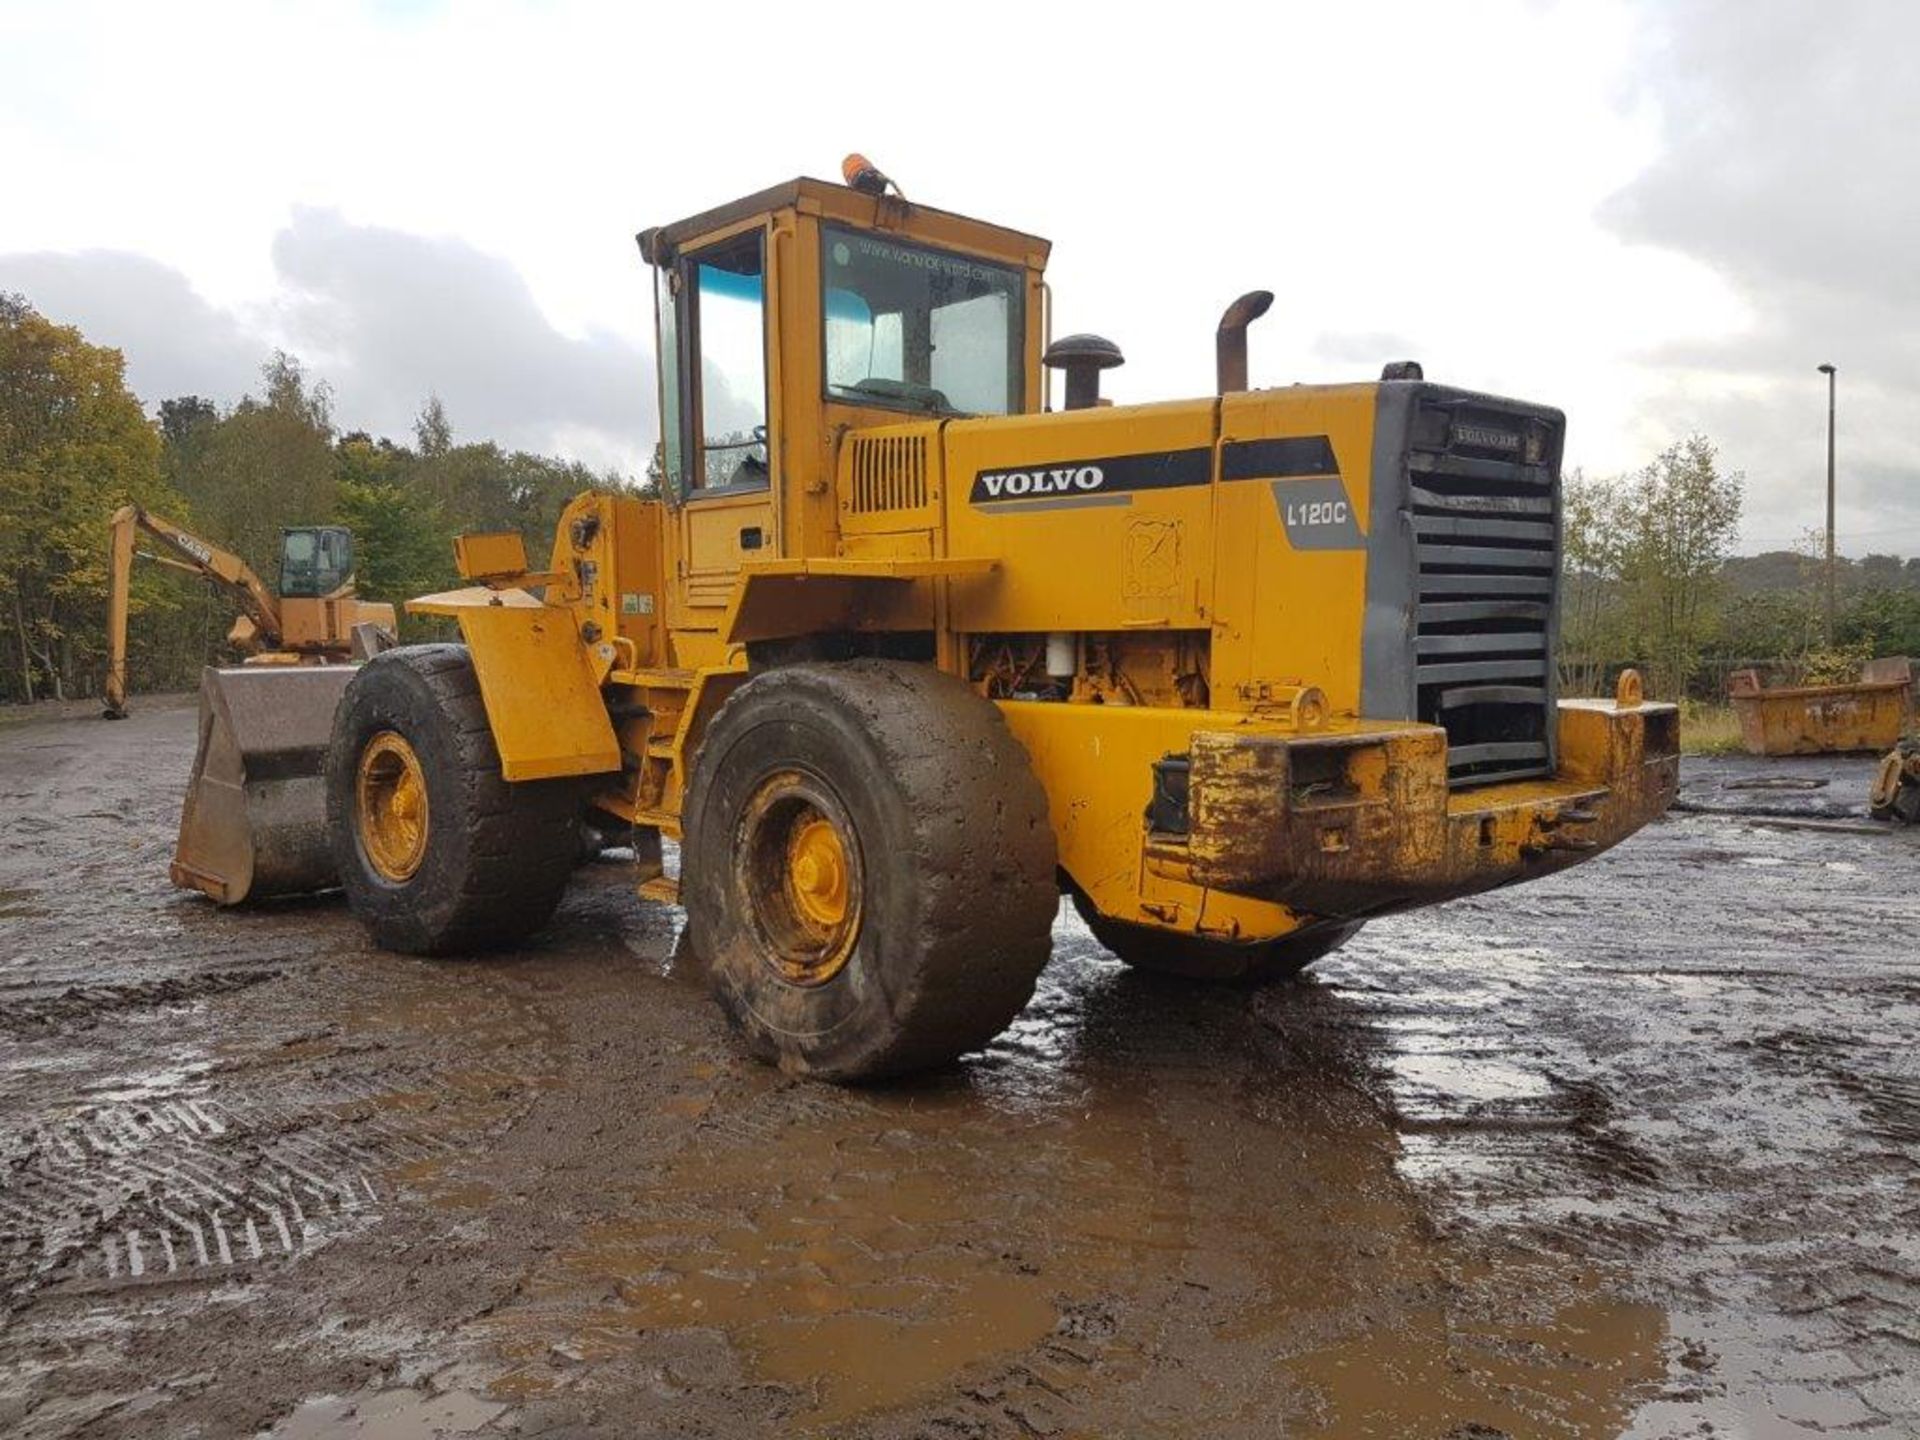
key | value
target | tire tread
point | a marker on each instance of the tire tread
(520, 835)
(982, 847)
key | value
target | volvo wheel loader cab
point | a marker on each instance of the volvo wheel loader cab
(898, 653)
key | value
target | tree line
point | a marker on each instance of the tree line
(1649, 579)
(75, 444)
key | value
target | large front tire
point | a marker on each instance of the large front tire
(438, 853)
(1194, 957)
(868, 868)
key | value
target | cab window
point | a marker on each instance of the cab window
(917, 329)
(727, 288)
(314, 562)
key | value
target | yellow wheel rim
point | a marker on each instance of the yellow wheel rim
(817, 872)
(391, 791)
(801, 876)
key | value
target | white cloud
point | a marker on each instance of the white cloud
(1788, 166)
(385, 318)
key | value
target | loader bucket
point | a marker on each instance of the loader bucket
(255, 820)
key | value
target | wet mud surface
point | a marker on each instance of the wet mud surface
(1633, 1151)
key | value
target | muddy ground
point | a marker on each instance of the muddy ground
(1630, 1151)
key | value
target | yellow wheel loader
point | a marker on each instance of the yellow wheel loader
(1895, 792)
(899, 654)
(254, 822)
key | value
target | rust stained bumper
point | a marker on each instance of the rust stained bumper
(1353, 825)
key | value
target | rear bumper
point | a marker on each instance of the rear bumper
(1347, 826)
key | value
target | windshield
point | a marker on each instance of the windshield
(908, 328)
(314, 562)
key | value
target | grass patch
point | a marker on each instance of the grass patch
(1708, 729)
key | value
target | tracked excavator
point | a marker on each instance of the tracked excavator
(900, 654)
(253, 822)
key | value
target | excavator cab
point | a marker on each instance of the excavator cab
(316, 561)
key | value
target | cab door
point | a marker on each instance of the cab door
(716, 450)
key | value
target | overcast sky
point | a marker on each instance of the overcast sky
(1659, 217)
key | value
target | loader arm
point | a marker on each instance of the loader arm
(185, 551)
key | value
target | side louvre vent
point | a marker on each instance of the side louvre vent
(1485, 491)
(889, 473)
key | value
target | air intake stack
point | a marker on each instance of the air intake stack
(1083, 357)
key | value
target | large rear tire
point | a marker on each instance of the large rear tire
(1192, 957)
(868, 869)
(438, 853)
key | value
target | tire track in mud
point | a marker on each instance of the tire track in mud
(80, 1005)
(191, 1186)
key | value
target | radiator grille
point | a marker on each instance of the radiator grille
(889, 473)
(1485, 492)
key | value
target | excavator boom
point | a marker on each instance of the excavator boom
(187, 552)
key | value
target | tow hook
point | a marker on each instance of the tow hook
(1549, 833)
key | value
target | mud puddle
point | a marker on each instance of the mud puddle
(860, 1252)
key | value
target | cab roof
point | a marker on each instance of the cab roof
(908, 219)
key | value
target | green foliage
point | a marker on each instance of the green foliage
(482, 487)
(74, 446)
(268, 464)
(401, 544)
(1595, 635)
(1806, 567)
(1774, 628)
(1644, 555)
(1768, 610)
(1839, 665)
(1882, 619)
(1779, 622)
(1709, 728)
(432, 431)
(1682, 516)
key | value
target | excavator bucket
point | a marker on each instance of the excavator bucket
(255, 821)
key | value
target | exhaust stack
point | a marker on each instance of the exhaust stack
(1230, 340)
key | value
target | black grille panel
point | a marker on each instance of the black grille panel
(1484, 496)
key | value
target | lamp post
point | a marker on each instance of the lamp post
(1831, 374)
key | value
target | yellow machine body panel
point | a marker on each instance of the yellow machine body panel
(325, 624)
(779, 598)
(488, 554)
(1085, 559)
(537, 679)
(1285, 613)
